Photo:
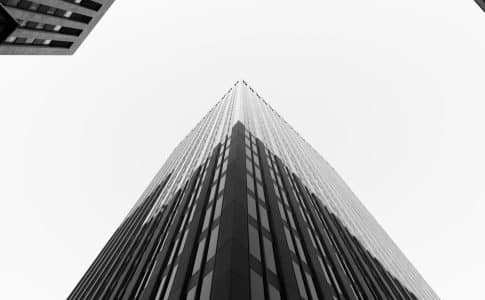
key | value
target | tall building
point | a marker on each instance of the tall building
(47, 26)
(245, 208)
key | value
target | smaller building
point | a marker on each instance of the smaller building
(47, 26)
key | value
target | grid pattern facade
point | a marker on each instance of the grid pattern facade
(244, 208)
(48, 26)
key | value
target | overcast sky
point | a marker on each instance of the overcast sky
(390, 92)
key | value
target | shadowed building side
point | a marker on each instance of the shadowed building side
(43, 27)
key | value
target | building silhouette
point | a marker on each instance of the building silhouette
(245, 208)
(47, 26)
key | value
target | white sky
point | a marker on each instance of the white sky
(389, 92)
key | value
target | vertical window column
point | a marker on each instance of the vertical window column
(231, 275)
(264, 275)
(283, 256)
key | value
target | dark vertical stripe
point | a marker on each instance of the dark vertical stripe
(231, 271)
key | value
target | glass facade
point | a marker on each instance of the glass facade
(244, 208)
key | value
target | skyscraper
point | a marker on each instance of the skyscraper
(245, 208)
(47, 26)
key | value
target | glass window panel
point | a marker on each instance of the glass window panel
(206, 287)
(212, 194)
(300, 249)
(224, 166)
(269, 255)
(324, 270)
(264, 217)
(258, 174)
(257, 288)
(292, 221)
(170, 283)
(313, 292)
(217, 212)
(248, 166)
(198, 257)
(206, 219)
(299, 280)
(222, 184)
(312, 238)
(282, 212)
(334, 279)
(184, 239)
(191, 294)
(160, 287)
(285, 200)
(288, 239)
(274, 294)
(277, 191)
(254, 242)
(260, 191)
(250, 182)
(252, 207)
(213, 243)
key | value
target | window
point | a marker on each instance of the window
(252, 207)
(260, 191)
(274, 294)
(213, 243)
(206, 219)
(282, 211)
(170, 283)
(222, 183)
(300, 249)
(313, 292)
(264, 217)
(288, 239)
(206, 287)
(257, 289)
(269, 255)
(198, 257)
(254, 242)
(299, 280)
(217, 212)
(250, 182)
(191, 294)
